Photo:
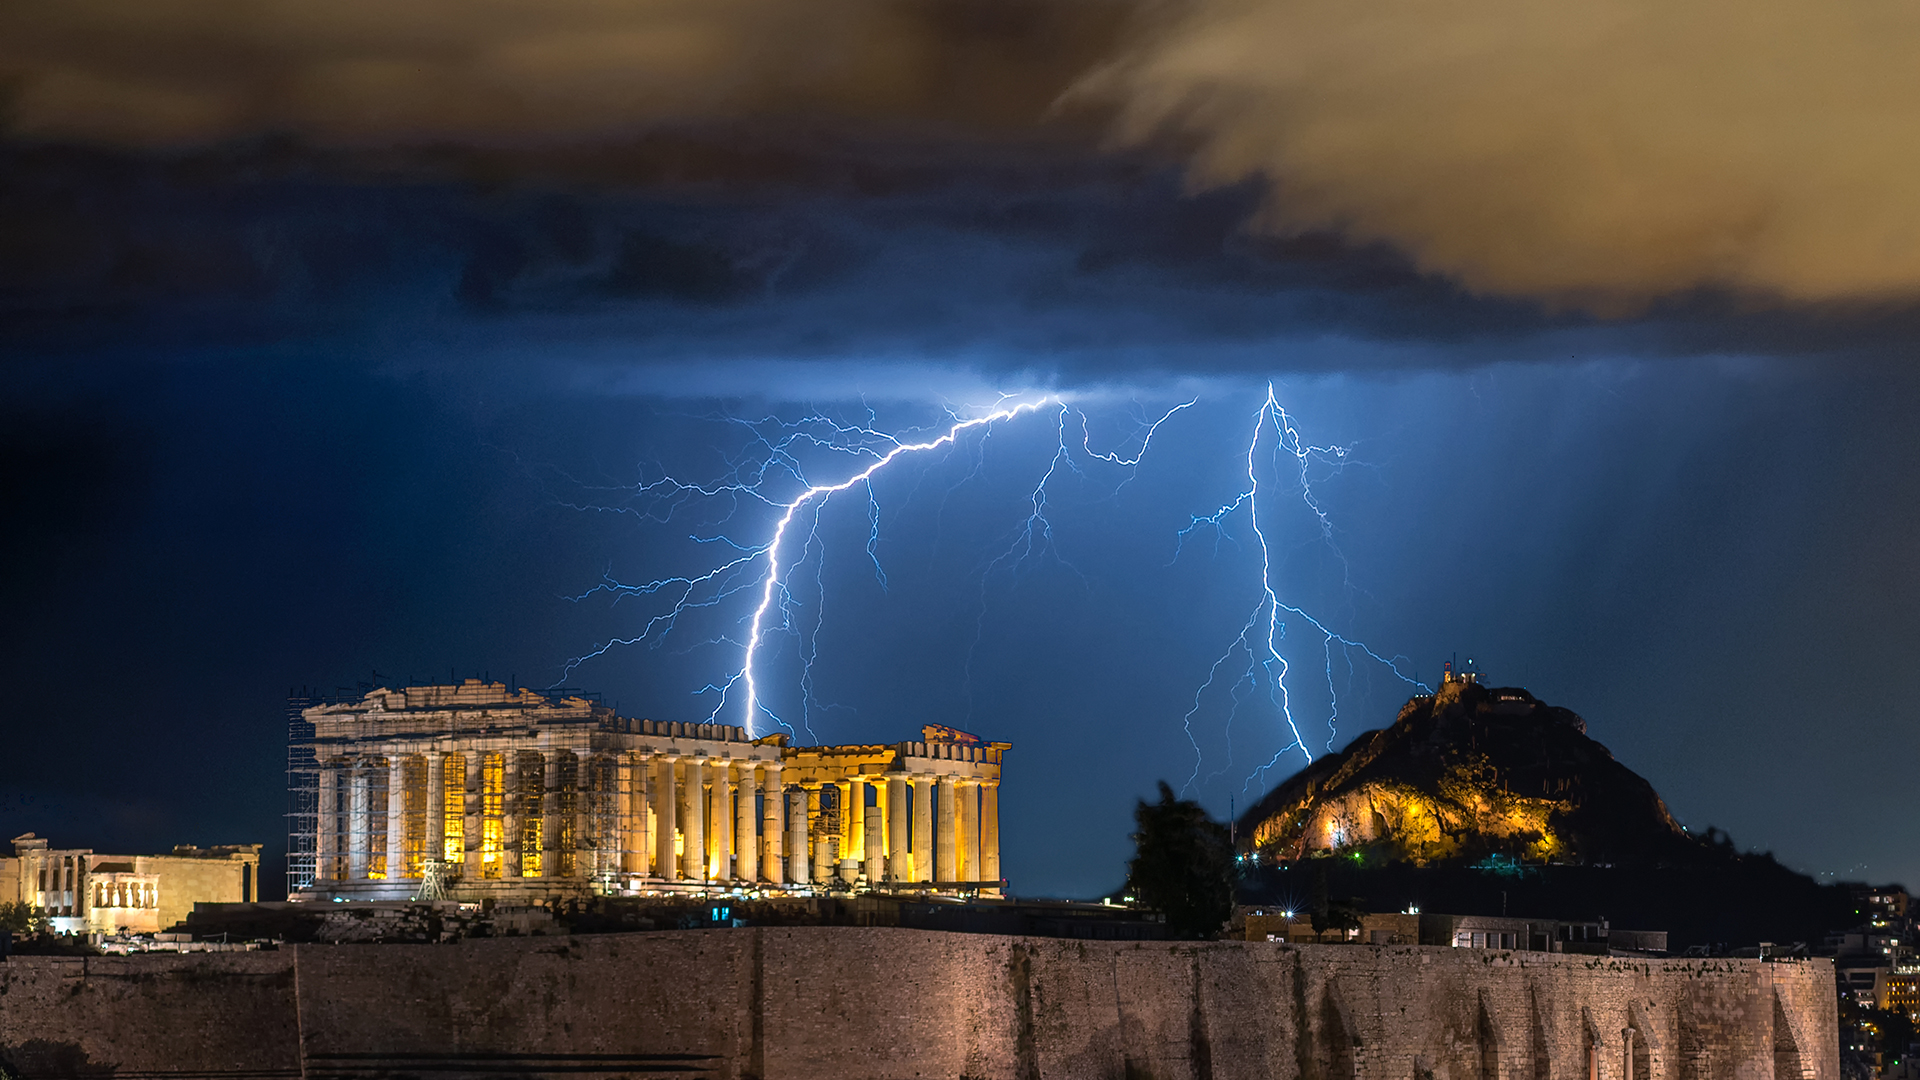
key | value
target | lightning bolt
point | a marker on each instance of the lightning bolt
(1033, 539)
(771, 581)
(1260, 635)
(770, 471)
(762, 569)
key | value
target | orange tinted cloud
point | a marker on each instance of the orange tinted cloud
(373, 71)
(1592, 152)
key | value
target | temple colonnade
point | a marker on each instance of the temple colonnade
(623, 806)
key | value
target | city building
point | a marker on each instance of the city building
(1900, 989)
(1865, 958)
(1872, 939)
(81, 892)
(1458, 931)
(1296, 927)
(1881, 905)
(477, 791)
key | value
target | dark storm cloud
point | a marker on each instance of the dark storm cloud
(67, 485)
(1598, 157)
(1014, 266)
(1004, 260)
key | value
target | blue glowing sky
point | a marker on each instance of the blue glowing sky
(295, 398)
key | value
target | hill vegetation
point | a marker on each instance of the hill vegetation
(1486, 801)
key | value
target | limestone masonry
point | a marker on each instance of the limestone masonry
(479, 792)
(846, 1002)
(83, 892)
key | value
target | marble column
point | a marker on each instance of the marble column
(797, 830)
(510, 814)
(824, 840)
(853, 813)
(551, 818)
(853, 828)
(773, 829)
(746, 838)
(326, 839)
(923, 855)
(666, 804)
(642, 806)
(626, 779)
(693, 826)
(873, 842)
(899, 863)
(589, 844)
(474, 804)
(968, 794)
(990, 831)
(600, 816)
(436, 826)
(396, 817)
(721, 859)
(357, 834)
(945, 844)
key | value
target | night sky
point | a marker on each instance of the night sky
(359, 344)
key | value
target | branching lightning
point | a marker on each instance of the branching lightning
(1260, 636)
(1033, 538)
(760, 568)
(771, 471)
(771, 582)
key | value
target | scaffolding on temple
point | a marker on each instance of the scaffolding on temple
(303, 795)
(478, 791)
(303, 783)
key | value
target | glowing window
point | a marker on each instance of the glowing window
(453, 807)
(413, 815)
(493, 799)
(533, 797)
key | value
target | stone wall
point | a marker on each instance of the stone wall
(854, 1002)
(198, 1014)
(186, 880)
(190, 875)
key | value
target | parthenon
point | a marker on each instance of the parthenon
(478, 791)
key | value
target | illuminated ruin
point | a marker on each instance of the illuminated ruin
(81, 891)
(477, 791)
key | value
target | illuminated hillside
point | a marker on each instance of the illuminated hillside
(1470, 771)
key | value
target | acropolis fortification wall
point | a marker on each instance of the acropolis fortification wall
(891, 1003)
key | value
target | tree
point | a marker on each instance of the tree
(1182, 865)
(1325, 914)
(21, 918)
